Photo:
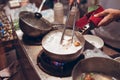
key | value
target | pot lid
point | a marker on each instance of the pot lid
(38, 23)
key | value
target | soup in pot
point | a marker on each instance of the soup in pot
(51, 43)
(95, 76)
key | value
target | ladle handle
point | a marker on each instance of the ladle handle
(38, 14)
(39, 10)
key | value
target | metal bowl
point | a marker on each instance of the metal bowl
(32, 26)
(62, 56)
(97, 65)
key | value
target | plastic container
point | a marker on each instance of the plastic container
(71, 17)
(58, 13)
(72, 13)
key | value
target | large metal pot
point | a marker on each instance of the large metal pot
(100, 65)
(33, 26)
(62, 56)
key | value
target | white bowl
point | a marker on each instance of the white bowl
(94, 40)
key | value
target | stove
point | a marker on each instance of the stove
(48, 65)
(56, 68)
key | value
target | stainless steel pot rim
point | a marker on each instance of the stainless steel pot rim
(64, 54)
(77, 70)
(60, 54)
(95, 58)
(37, 28)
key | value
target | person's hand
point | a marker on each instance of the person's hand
(109, 16)
(71, 1)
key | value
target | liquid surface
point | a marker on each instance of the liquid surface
(52, 43)
(95, 76)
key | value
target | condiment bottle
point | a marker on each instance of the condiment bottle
(73, 11)
(58, 13)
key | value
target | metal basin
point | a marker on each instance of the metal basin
(97, 65)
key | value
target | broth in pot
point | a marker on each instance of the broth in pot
(51, 44)
(95, 76)
(96, 68)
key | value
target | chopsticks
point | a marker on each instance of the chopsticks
(69, 8)
(74, 21)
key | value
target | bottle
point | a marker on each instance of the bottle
(74, 11)
(58, 13)
(24, 2)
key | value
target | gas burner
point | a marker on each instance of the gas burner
(32, 40)
(56, 68)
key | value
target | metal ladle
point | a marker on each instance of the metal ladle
(38, 14)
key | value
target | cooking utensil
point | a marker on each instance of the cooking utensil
(74, 21)
(100, 65)
(33, 24)
(65, 25)
(66, 56)
(37, 14)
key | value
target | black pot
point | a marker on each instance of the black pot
(33, 26)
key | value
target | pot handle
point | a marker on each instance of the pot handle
(38, 15)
